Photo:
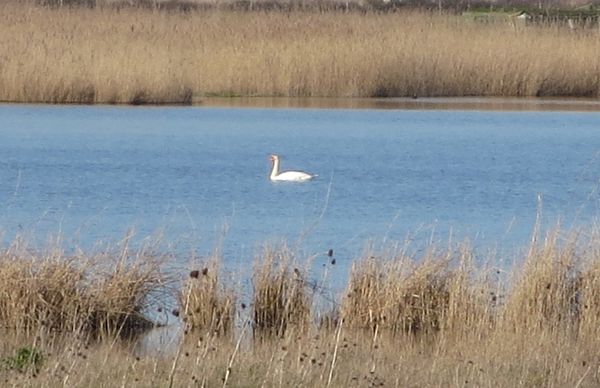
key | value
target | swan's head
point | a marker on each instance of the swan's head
(274, 157)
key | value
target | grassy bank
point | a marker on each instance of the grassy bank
(437, 318)
(129, 55)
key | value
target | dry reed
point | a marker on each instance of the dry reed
(94, 295)
(433, 319)
(280, 298)
(108, 55)
(207, 305)
(544, 296)
(587, 298)
(423, 295)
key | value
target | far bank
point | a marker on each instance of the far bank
(140, 56)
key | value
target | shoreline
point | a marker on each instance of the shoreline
(409, 103)
(492, 104)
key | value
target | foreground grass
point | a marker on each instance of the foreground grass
(93, 295)
(323, 359)
(437, 318)
(129, 55)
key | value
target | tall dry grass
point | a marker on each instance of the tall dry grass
(588, 302)
(209, 306)
(280, 295)
(547, 290)
(133, 55)
(437, 317)
(439, 293)
(108, 293)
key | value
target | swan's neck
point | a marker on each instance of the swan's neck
(275, 169)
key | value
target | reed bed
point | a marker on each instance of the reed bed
(208, 306)
(280, 294)
(432, 317)
(418, 296)
(91, 295)
(140, 55)
(547, 292)
(387, 296)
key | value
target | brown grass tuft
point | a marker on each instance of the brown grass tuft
(40, 292)
(588, 299)
(544, 296)
(412, 295)
(94, 294)
(207, 304)
(280, 297)
(119, 297)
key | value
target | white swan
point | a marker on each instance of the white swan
(289, 176)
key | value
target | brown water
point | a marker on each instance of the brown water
(427, 103)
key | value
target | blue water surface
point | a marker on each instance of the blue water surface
(198, 176)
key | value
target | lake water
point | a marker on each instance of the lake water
(199, 176)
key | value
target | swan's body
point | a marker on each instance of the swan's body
(289, 176)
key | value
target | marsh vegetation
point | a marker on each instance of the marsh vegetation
(140, 55)
(406, 318)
